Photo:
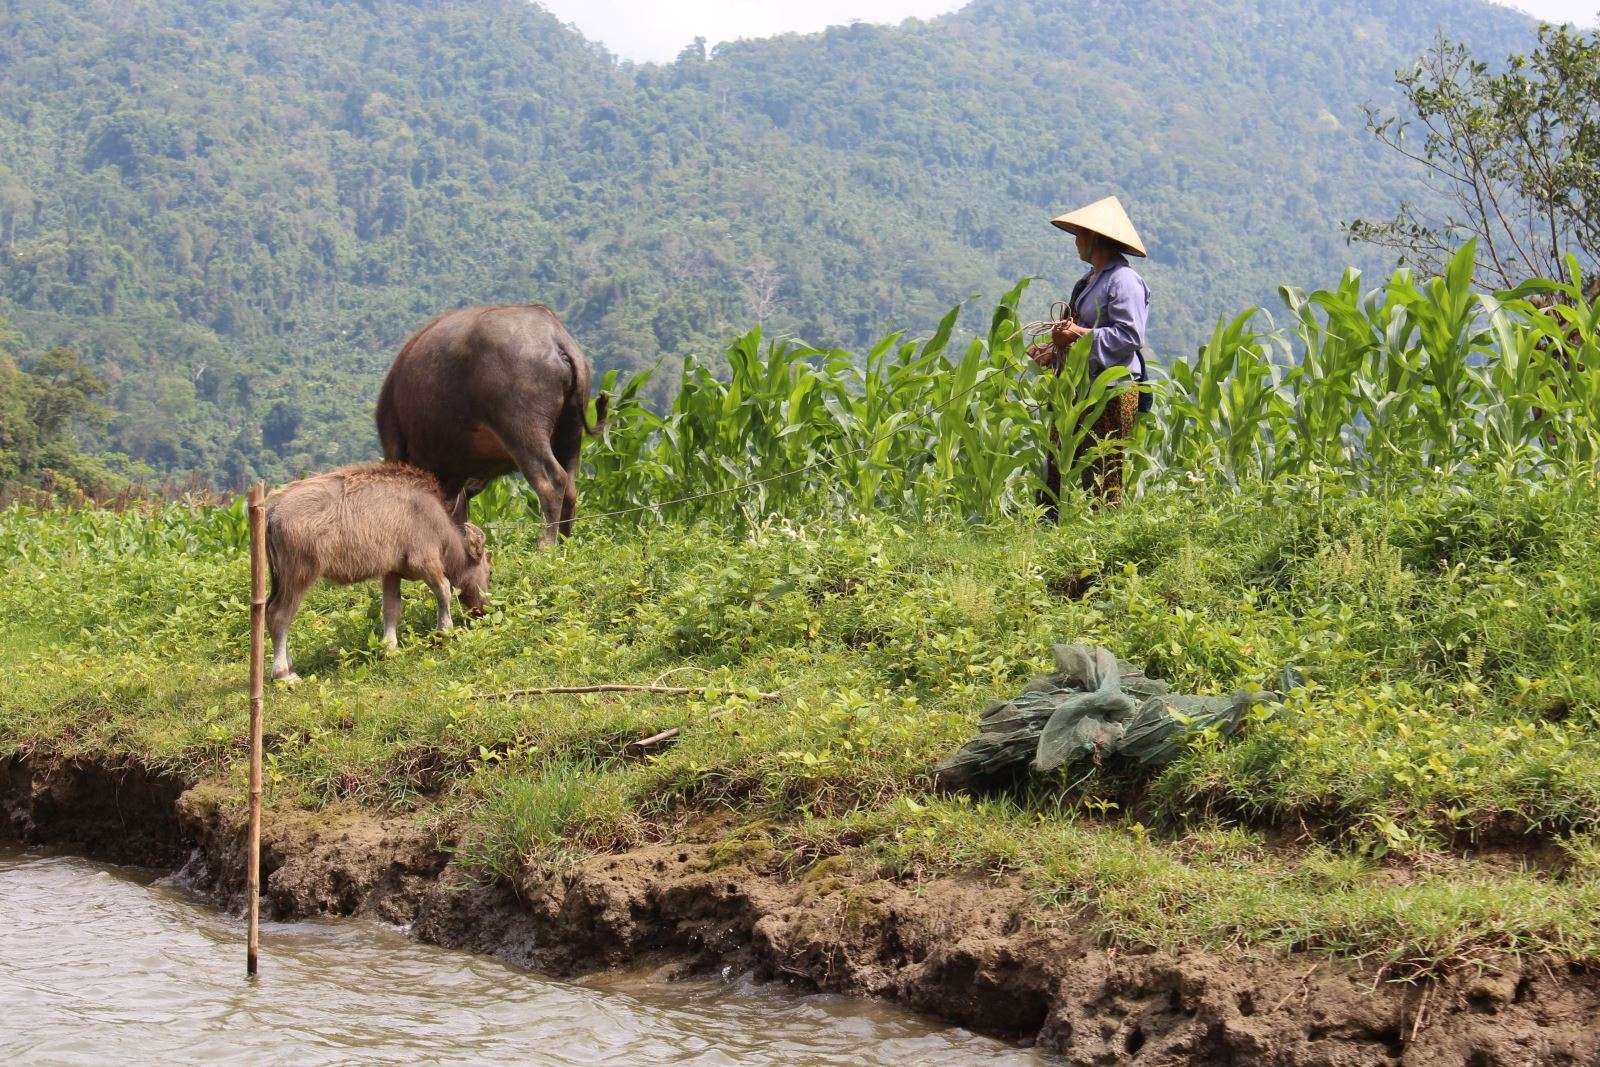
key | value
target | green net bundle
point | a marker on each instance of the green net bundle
(1093, 710)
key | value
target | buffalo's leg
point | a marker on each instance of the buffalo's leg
(458, 494)
(547, 476)
(281, 606)
(391, 610)
(569, 506)
(567, 446)
(441, 593)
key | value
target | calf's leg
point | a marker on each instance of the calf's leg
(441, 592)
(391, 610)
(281, 606)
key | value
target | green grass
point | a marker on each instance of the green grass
(1431, 799)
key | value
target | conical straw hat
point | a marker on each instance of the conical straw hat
(1106, 218)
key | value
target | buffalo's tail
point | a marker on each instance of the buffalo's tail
(602, 406)
(582, 380)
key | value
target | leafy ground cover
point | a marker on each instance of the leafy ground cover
(1430, 799)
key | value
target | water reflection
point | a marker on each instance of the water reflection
(101, 964)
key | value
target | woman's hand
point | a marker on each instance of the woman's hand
(1068, 332)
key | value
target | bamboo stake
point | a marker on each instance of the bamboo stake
(258, 619)
(612, 687)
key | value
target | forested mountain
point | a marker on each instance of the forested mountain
(235, 210)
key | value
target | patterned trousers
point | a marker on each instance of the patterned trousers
(1103, 474)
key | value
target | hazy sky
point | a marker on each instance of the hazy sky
(658, 29)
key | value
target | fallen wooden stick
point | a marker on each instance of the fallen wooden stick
(614, 687)
(645, 744)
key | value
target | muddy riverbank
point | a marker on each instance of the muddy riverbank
(963, 950)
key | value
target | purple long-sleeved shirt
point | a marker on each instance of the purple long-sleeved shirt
(1116, 304)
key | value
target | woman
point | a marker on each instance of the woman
(1111, 305)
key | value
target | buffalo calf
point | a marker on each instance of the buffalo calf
(374, 520)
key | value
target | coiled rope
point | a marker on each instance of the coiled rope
(1061, 315)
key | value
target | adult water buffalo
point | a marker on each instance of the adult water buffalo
(484, 391)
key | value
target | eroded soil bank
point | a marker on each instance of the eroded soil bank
(962, 950)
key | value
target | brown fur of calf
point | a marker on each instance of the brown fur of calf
(374, 520)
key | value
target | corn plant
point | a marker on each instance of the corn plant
(1377, 388)
(1370, 388)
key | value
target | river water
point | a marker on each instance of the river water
(106, 964)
